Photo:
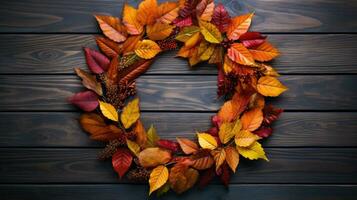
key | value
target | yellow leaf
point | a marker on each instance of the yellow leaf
(133, 146)
(239, 25)
(210, 32)
(253, 152)
(268, 70)
(130, 43)
(187, 33)
(245, 138)
(129, 19)
(147, 12)
(256, 101)
(219, 157)
(228, 130)
(153, 156)
(130, 113)
(232, 158)
(187, 145)
(264, 52)
(147, 49)
(270, 86)
(167, 12)
(252, 119)
(194, 57)
(158, 178)
(239, 54)
(152, 136)
(159, 31)
(207, 141)
(108, 111)
(112, 27)
(193, 41)
(205, 50)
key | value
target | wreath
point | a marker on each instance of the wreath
(204, 32)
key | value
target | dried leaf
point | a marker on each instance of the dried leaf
(130, 43)
(96, 61)
(133, 146)
(233, 108)
(245, 138)
(186, 33)
(210, 32)
(268, 70)
(147, 12)
(232, 157)
(253, 152)
(112, 73)
(141, 137)
(207, 141)
(167, 12)
(87, 101)
(217, 55)
(225, 175)
(129, 74)
(264, 132)
(182, 178)
(89, 81)
(264, 52)
(202, 160)
(179, 22)
(219, 155)
(187, 146)
(130, 20)
(159, 31)
(252, 119)
(239, 25)
(130, 113)
(153, 156)
(205, 10)
(206, 177)
(206, 52)
(221, 18)
(158, 177)
(108, 111)
(270, 86)
(112, 27)
(168, 144)
(152, 136)
(239, 54)
(271, 114)
(193, 41)
(121, 161)
(228, 130)
(147, 49)
(108, 47)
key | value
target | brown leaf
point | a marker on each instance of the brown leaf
(131, 73)
(112, 27)
(112, 72)
(130, 43)
(167, 12)
(154, 156)
(108, 47)
(219, 155)
(182, 178)
(202, 160)
(187, 146)
(89, 81)
(141, 137)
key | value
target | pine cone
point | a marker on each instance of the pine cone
(109, 149)
(138, 175)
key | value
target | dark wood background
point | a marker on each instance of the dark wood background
(45, 155)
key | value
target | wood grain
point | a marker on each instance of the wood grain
(273, 16)
(287, 165)
(214, 192)
(59, 54)
(293, 129)
(177, 93)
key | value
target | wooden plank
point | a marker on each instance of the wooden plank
(58, 54)
(277, 16)
(287, 165)
(177, 93)
(139, 192)
(58, 129)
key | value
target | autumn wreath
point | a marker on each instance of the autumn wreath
(205, 32)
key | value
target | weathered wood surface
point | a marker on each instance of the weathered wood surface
(212, 192)
(180, 93)
(277, 16)
(61, 129)
(59, 54)
(287, 165)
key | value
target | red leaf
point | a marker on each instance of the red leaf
(168, 144)
(182, 22)
(251, 36)
(87, 101)
(188, 8)
(216, 121)
(96, 61)
(264, 132)
(225, 174)
(121, 161)
(206, 177)
(221, 18)
(253, 43)
(213, 131)
(271, 114)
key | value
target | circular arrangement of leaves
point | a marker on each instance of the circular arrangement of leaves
(204, 32)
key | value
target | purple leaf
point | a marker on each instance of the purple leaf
(96, 61)
(221, 18)
(87, 101)
(179, 22)
(264, 132)
(252, 43)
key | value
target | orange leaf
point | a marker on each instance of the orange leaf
(252, 119)
(159, 31)
(239, 54)
(233, 108)
(130, 43)
(202, 160)
(232, 158)
(141, 137)
(182, 178)
(154, 156)
(270, 86)
(89, 81)
(158, 178)
(147, 12)
(219, 156)
(239, 25)
(112, 72)
(205, 9)
(129, 19)
(112, 27)
(264, 52)
(108, 47)
(187, 145)
(167, 12)
(147, 49)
